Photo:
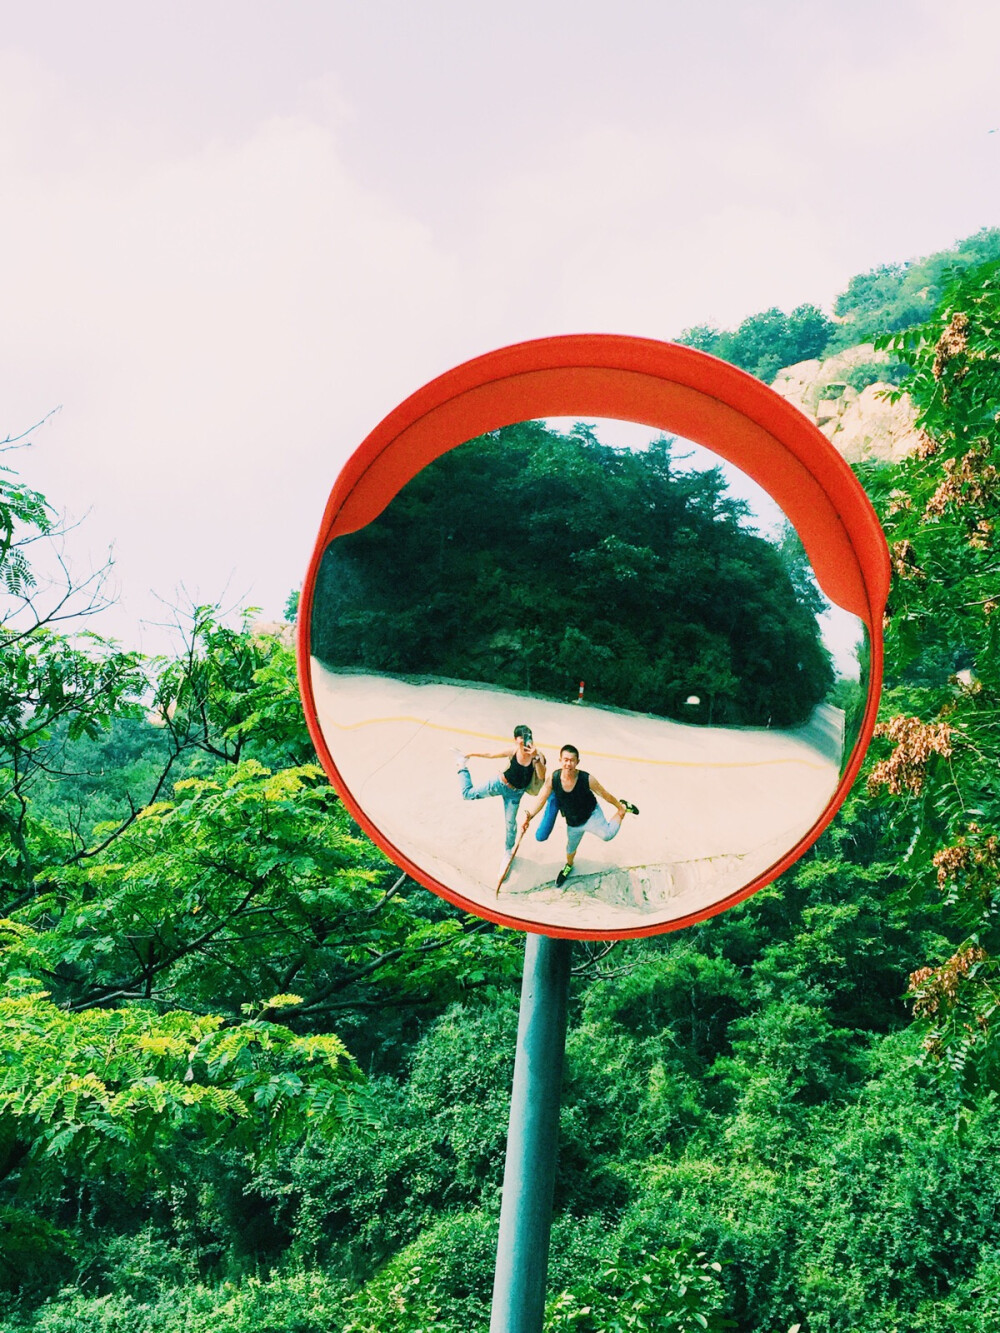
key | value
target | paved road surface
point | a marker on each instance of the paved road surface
(717, 805)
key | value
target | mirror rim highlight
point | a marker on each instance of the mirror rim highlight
(669, 388)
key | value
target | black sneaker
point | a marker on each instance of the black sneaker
(632, 809)
(564, 875)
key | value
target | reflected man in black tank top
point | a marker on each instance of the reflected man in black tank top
(525, 768)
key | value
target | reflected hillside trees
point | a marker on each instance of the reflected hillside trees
(530, 560)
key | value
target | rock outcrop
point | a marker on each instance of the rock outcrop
(861, 424)
(274, 629)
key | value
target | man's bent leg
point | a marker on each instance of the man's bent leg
(602, 827)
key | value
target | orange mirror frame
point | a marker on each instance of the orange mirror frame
(669, 388)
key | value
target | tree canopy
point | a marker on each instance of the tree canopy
(885, 300)
(765, 342)
(530, 560)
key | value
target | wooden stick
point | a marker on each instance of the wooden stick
(510, 862)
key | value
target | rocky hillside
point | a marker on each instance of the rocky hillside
(859, 421)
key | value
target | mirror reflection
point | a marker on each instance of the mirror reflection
(604, 650)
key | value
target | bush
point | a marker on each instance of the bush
(297, 1302)
(442, 1283)
(669, 1291)
(866, 373)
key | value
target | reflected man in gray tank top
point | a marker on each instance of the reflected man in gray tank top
(576, 792)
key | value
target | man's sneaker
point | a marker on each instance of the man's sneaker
(503, 869)
(461, 760)
(632, 809)
(564, 875)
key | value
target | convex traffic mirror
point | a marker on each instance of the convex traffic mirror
(612, 589)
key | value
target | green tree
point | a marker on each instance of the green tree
(886, 299)
(54, 687)
(893, 297)
(937, 769)
(134, 1087)
(765, 342)
(532, 559)
(245, 884)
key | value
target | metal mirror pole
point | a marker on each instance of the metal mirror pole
(532, 1139)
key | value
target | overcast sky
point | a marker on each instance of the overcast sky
(236, 233)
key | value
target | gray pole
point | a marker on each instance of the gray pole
(532, 1140)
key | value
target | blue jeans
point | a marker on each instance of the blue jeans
(495, 787)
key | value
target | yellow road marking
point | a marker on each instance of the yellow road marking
(598, 754)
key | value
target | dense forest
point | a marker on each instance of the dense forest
(253, 1080)
(531, 560)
